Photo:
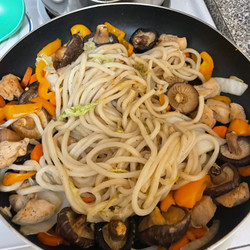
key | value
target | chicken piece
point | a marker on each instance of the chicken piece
(9, 151)
(18, 201)
(209, 88)
(235, 197)
(208, 116)
(182, 41)
(203, 212)
(237, 112)
(10, 87)
(35, 211)
(221, 110)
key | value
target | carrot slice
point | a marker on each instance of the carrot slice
(33, 78)
(220, 131)
(244, 171)
(37, 152)
(50, 238)
(2, 102)
(88, 199)
(167, 202)
(180, 243)
(198, 232)
(26, 77)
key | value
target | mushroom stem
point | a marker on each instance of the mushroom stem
(232, 143)
(179, 97)
(102, 34)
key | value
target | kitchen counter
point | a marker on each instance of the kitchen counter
(232, 18)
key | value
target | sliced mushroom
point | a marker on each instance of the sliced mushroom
(173, 79)
(29, 92)
(35, 211)
(44, 117)
(9, 151)
(74, 228)
(183, 97)
(203, 212)
(182, 41)
(224, 179)
(69, 52)
(25, 127)
(237, 112)
(236, 151)
(10, 87)
(162, 229)
(115, 234)
(209, 88)
(8, 135)
(235, 197)
(18, 201)
(221, 110)
(101, 36)
(144, 39)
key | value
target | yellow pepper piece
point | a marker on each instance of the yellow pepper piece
(50, 48)
(46, 105)
(13, 178)
(16, 111)
(128, 46)
(222, 98)
(207, 65)
(118, 33)
(80, 28)
(239, 127)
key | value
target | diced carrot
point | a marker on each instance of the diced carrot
(167, 202)
(244, 171)
(180, 243)
(26, 77)
(88, 199)
(2, 102)
(50, 238)
(220, 131)
(187, 54)
(33, 78)
(12, 103)
(37, 152)
(198, 232)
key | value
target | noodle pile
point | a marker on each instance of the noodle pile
(127, 151)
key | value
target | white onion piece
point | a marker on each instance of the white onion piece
(205, 146)
(52, 197)
(209, 235)
(8, 123)
(29, 190)
(231, 86)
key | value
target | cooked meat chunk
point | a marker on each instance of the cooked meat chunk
(10, 87)
(208, 116)
(182, 41)
(203, 212)
(235, 197)
(18, 201)
(221, 110)
(9, 151)
(209, 88)
(237, 112)
(35, 211)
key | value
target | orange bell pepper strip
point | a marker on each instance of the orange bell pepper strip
(2, 114)
(220, 131)
(207, 65)
(128, 46)
(50, 238)
(46, 105)
(239, 127)
(88, 199)
(244, 171)
(37, 153)
(33, 78)
(81, 29)
(50, 48)
(2, 102)
(26, 77)
(16, 111)
(12, 103)
(117, 32)
(222, 98)
(167, 202)
(13, 178)
(189, 194)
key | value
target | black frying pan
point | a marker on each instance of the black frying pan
(128, 17)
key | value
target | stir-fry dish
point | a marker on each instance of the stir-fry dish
(117, 144)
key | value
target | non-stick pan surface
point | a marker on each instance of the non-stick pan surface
(128, 17)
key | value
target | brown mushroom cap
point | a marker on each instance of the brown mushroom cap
(183, 97)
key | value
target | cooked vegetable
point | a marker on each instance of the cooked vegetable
(162, 229)
(8, 135)
(46, 105)
(50, 48)
(37, 153)
(12, 178)
(180, 243)
(144, 39)
(117, 32)
(128, 46)
(80, 29)
(222, 98)
(183, 97)
(189, 194)
(74, 228)
(2, 102)
(198, 232)
(239, 127)
(244, 171)
(167, 202)
(29, 92)
(162, 101)
(232, 86)
(207, 65)
(33, 78)
(224, 179)
(221, 131)
(26, 77)
(50, 238)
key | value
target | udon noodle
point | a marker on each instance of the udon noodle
(127, 151)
